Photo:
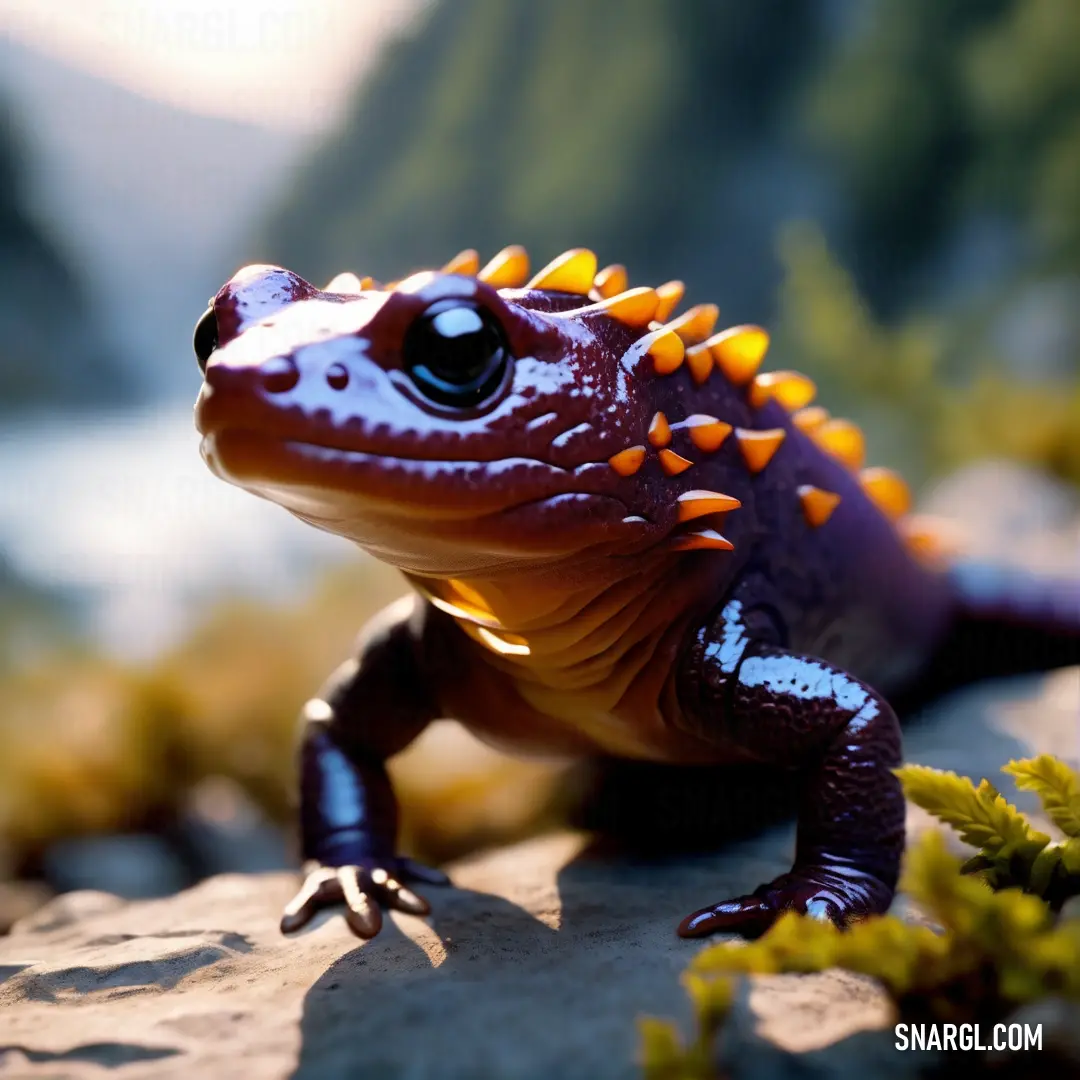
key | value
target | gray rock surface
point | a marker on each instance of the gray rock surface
(534, 966)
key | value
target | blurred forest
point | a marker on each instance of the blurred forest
(892, 187)
(54, 350)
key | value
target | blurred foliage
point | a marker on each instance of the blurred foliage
(996, 950)
(922, 409)
(551, 124)
(92, 745)
(1012, 853)
(664, 1055)
(50, 350)
(940, 109)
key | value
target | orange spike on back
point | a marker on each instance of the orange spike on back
(572, 272)
(790, 388)
(464, 262)
(843, 440)
(695, 504)
(810, 418)
(706, 540)
(627, 462)
(933, 540)
(758, 447)
(817, 504)
(670, 293)
(696, 324)
(660, 431)
(738, 352)
(700, 362)
(706, 432)
(507, 270)
(611, 281)
(673, 463)
(887, 490)
(666, 349)
(634, 308)
(346, 282)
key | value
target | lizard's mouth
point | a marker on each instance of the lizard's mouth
(424, 514)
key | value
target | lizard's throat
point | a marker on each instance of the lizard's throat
(557, 630)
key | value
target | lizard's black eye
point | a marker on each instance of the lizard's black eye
(456, 353)
(205, 340)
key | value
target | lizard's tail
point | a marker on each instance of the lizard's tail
(1007, 622)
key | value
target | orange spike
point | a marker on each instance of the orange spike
(671, 292)
(695, 504)
(572, 272)
(464, 262)
(627, 462)
(817, 504)
(790, 388)
(611, 281)
(666, 349)
(810, 418)
(887, 490)
(706, 432)
(673, 463)
(843, 440)
(739, 351)
(660, 431)
(345, 282)
(696, 324)
(706, 540)
(634, 308)
(758, 447)
(507, 270)
(700, 362)
(932, 539)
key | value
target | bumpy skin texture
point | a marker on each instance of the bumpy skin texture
(623, 546)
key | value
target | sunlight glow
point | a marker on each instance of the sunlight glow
(280, 63)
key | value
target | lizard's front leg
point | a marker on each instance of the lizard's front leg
(370, 708)
(799, 712)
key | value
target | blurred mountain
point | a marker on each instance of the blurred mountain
(661, 135)
(150, 201)
(51, 351)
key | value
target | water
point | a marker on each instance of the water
(120, 512)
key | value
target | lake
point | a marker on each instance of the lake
(120, 512)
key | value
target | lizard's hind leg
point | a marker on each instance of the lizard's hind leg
(1007, 622)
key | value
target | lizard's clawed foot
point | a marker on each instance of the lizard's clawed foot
(364, 890)
(840, 893)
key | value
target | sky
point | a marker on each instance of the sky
(279, 63)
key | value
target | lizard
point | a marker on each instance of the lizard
(625, 542)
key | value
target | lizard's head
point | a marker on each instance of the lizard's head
(466, 419)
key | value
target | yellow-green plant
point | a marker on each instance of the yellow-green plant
(664, 1055)
(996, 950)
(1012, 853)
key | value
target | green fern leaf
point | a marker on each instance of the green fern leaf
(981, 815)
(1057, 786)
(659, 1049)
(712, 999)
(1070, 856)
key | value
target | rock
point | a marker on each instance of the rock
(535, 965)
(18, 899)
